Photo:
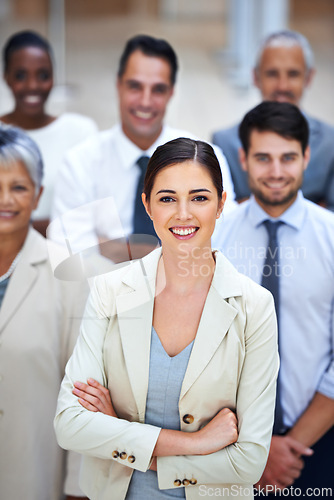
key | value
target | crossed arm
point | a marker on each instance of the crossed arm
(285, 461)
(220, 432)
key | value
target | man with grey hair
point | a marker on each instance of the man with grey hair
(283, 70)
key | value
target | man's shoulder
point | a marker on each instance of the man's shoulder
(94, 144)
(233, 220)
(75, 119)
(226, 134)
(238, 214)
(320, 130)
(320, 215)
(230, 223)
(316, 122)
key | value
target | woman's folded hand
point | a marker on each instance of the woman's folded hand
(220, 432)
(94, 397)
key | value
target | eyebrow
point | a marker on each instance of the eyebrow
(131, 81)
(294, 153)
(192, 191)
(22, 180)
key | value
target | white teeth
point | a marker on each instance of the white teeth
(275, 185)
(183, 232)
(6, 214)
(144, 115)
(32, 99)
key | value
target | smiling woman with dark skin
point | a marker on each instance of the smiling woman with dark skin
(28, 72)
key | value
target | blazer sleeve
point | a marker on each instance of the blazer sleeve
(244, 461)
(74, 296)
(91, 433)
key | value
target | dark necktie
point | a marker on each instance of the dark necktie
(142, 224)
(270, 280)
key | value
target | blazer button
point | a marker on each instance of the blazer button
(115, 454)
(188, 419)
(131, 459)
(123, 455)
(193, 481)
(185, 482)
(177, 482)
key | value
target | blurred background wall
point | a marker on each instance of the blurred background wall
(215, 41)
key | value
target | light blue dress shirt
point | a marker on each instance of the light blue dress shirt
(306, 271)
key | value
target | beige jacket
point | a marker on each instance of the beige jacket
(39, 324)
(234, 363)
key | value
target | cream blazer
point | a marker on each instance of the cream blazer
(39, 324)
(233, 363)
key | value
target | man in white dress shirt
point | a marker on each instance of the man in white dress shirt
(275, 154)
(97, 186)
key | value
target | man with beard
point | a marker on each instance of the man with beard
(286, 243)
(284, 69)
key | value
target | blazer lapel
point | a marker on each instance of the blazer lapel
(23, 278)
(135, 312)
(216, 319)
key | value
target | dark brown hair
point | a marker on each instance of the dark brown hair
(179, 151)
(282, 118)
(150, 46)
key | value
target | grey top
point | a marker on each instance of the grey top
(162, 409)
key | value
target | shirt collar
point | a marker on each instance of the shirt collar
(293, 216)
(128, 152)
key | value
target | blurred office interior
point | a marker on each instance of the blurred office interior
(215, 41)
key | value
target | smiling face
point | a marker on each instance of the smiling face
(29, 77)
(282, 75)
(184, 205)
(17, 200)
(275, 167)
(144, 91)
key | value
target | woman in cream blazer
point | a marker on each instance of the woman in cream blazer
(233, 364)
